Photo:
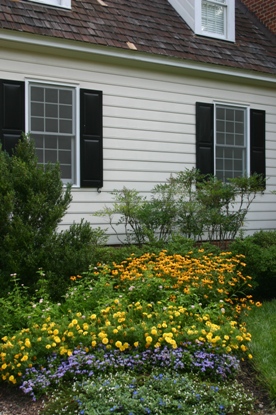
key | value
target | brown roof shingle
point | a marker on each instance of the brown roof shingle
(153, 26)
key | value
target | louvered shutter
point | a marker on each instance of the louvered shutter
(12, 113)
(205, 138)
(257, 142)
(91, 138)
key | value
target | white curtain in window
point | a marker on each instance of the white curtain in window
(213, 16)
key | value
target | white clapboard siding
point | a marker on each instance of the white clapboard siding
(148, 124)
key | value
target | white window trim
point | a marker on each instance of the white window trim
(65, 4)
(76, 121)
(247, 116)
(230, 21)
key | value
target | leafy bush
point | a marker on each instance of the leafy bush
(189, 204)
(71, 252)
(33, 202)
(260, 258)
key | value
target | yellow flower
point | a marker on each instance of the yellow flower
(93, 316)
(94, 343)
(4, 366)
(24, 358)
(153, 331)
(136, 344)
(12, 379)
(118, 344)
(105, 340)
(149, 339)
(48, 346)
(27, 343)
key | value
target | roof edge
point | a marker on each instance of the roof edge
(134, 56)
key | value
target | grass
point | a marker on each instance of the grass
(261, 323)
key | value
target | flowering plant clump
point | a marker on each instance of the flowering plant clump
(151, 302)
(205, 363)
(158, 393)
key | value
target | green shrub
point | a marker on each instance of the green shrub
(189, 204)
(33, 202)
(71, 253)
(260, 258)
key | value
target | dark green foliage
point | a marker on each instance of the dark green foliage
(260, 258)
(33, 202)
(72, 251)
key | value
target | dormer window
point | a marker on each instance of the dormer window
(211, 18)
(65, 4)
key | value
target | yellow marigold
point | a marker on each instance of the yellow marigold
(136, 344)
(93, 316)
(105, 340)
(118, 344)
(12, 379)
(153, 331)
(27, 343)
(149, 339)
(93, 343)
(48, 346)
(24, 358)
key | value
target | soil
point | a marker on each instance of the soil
(14, 402)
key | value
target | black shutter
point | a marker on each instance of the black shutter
(91, 138)
(12, 113)
(257, 142)
(205, 138)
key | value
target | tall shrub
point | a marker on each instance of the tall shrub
(33, 201)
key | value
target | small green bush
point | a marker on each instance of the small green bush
(71, 252)
(260, 258)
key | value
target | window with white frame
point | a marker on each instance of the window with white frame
(58, 3)
(52, 126)
(231, 141)
(211, 18)
(217, 19)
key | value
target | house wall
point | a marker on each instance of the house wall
(149, 124)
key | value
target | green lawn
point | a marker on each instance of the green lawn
(261, 323)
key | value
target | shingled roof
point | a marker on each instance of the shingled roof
(152, 26)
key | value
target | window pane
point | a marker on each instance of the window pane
(37, 94)
(65, 97)
(51, 110)
(51, 95)
(37, 124)
(37, 109)
(51, 126)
